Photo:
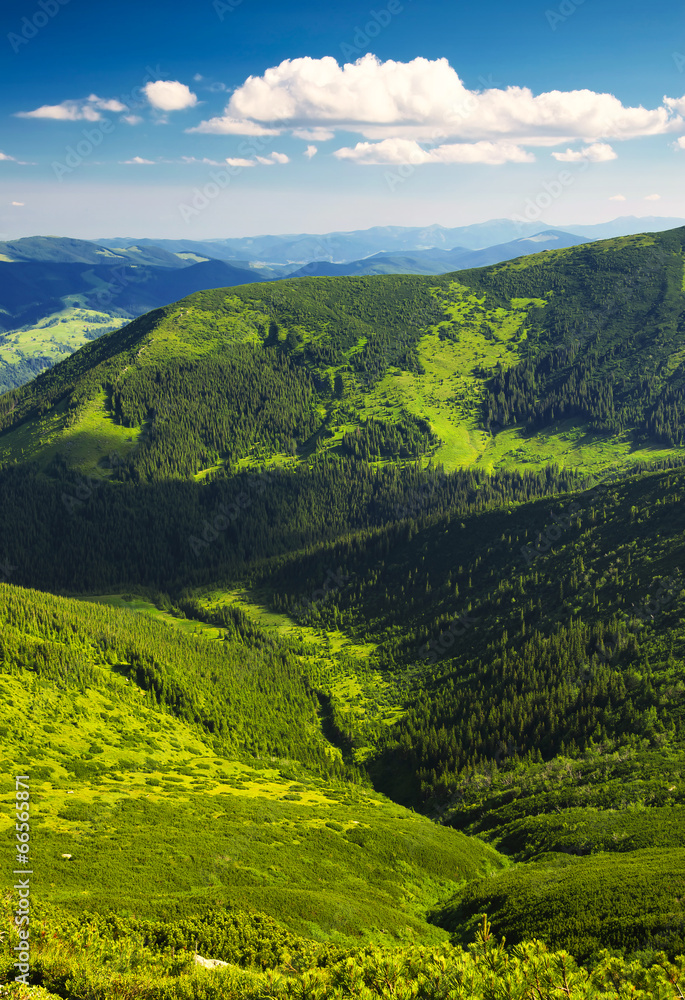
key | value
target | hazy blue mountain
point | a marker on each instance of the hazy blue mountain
(442, 261)
(347, 247)
(64, 250)
(627, 225)
(33, 289)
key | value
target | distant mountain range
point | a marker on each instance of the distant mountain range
(442, 261)
(57, 293)
(339, 247)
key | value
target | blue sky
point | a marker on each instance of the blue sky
(237, 117)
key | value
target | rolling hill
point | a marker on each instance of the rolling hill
(374, 581)
(57, 294)
(49, 311)
(572, 356)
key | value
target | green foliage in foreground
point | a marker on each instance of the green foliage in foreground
(629, 902)
(243, 697)
(141, 803)
(84, 965)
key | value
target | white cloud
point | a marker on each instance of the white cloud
(402, 151)
(237, 161)
(313, 134)
(107, 105)
(310, 151)
(598, 152)
(653, 197)
(617, 197)
(679, 143)
(132, 119)
(18, 204)
(5, 158)
(204, 160)
(273, 158)
(137, 161)
(85, 109)
(169, 95)
(676, 104)
(233, 126)
(426, 100)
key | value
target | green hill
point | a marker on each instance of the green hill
(57, 295)
(570, 357)
(132, 746)
(371, 623)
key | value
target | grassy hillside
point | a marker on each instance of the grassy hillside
(348, 548)
(54, 299)
(135, 737)
(294, 871)
(569, 357)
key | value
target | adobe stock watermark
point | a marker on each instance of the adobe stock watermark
(94, 137)
(334, 581)
(119, 278)
(378, 20)
(6, 571)
(327, 247)
(422, 495)
(86, 486)
(221, 178)
(226, 514)
(222, 8)
(30, 26)
(458, 112)
(455, 630)
(566, 9)
(665, 595)
(506, 749)
(604, 651)
(551, 191)
(563, 521)
(22, 918)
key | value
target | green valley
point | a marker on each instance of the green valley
(341, 636)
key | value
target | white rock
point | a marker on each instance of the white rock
(209, 963)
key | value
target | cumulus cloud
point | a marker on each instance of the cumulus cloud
(137, 161)
(617, 197)
(169, 95)
(273, 158)
(132, 119)
(313, 134)
(679, 143)
(423, 100)
(238, 161)
(598, 152)
(676, 104)
(204, 160)
(86, 109)
(407, 151)
(310, 151)
(226, 125)
(653, 197)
